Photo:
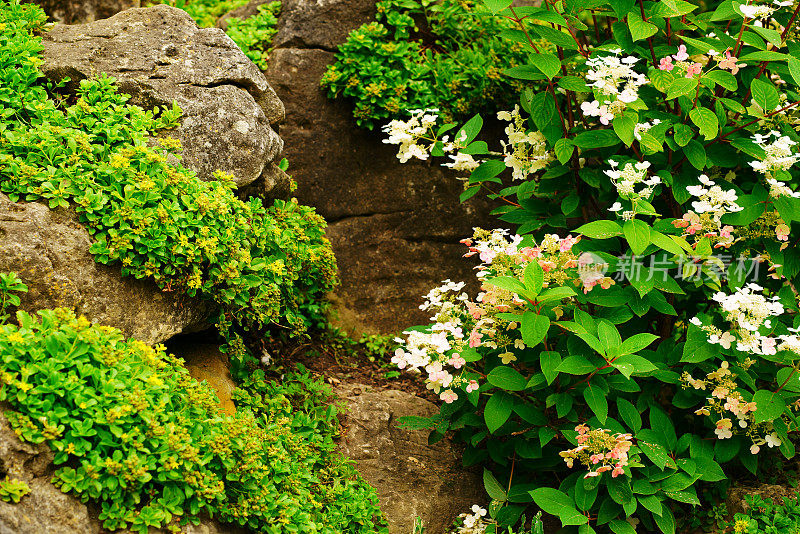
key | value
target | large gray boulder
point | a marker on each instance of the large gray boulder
(49, 250)
(46, 510)
(413, 478)
(159, 56)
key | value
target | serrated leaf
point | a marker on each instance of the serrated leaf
(637, 232)
(597, 402)
(769, 405)
(707, 121)
(602, 229)
(506, 378)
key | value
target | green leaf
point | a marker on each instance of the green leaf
(533, 328)
(596, 139)
(697, 348)
(493, 487)
(496, 6)
(533, 276)
(665, 521)
(549, 64)
(709, 470)
(559, 504)
(794, 69)
(769, 405)
(563, 150)
(620, 526)
(487, 171)
(637, 233)
(624, 126)
(549, 361)
(696, 154)
(706, 120)
(602, 229)
(773, 36)
(662, 424)
(506, 378)
(574, 83)
(637, 342)
(652, 503)
(576, 365)
(608, 335)
(683, 134)
(508, 283)
(498, 410)
(655, 452)
(630, 415)
(555, 293)
(620, 490)
(597, 402)
(639, 28)
(681, 87)
(764, 94)
(723, 78)
(633, 363)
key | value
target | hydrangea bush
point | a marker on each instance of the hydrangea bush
(636, 334)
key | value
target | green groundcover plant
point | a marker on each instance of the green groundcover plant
(260, 265)
(765, 517)
(425, 54)
(636, 336)
(132, 430)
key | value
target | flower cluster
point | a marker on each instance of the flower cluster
(763, 11)
(460, 324)
(627, 178)
(525, 152)
(779, 157)
(749, 313)
(417, 139)
(409, 133)
(474, 523)
(727, 402)
(712, 203)
(614, 78)
(600, 451)
(690, 68)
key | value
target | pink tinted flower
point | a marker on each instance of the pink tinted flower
(474, 310)
(566, 243)
(475, 339)
(726, 232)
(681, 55)
(666, 64)
(547, 265)
(729, 63)
(693, 69)
(457, 361)
(782, 231)
(448, 396)
(617, 472)
(472, 386)
(531, 252)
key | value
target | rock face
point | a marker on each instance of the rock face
(49, 250)
(412, 478)
(737, 503)
(159, 56)
(80, 11)
(394, 227)
(46, 510)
